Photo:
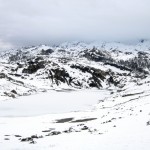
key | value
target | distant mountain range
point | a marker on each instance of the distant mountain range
(75, 65)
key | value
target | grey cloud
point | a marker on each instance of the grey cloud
(31, 22)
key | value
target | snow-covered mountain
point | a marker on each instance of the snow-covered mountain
(82, 96)
(73, 65)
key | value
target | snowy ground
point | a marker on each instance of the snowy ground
(40, 113)
(52, 102)
(85, 125)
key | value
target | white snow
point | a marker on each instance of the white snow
(51, 102)
(118, 117)
(127, 129)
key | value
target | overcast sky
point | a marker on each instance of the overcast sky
(34, 22)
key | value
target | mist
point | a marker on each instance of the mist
(34, 22)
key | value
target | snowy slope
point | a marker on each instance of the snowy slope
(71, 66)
(123, 123)
(75, 96)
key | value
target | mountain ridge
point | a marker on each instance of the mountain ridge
(72, 66)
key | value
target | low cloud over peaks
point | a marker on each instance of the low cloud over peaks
(33, 22)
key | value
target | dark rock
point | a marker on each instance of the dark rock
(121, 67)
(97, 74)
(13, 91)
(59, 75)
(39, 59)
(47, 130)
(33, 67)
(67, 131)
(40, 136)
(83, 120)
(27, 139)
(46, 52)
(6, 139)
(17, 135)
(84, 128)
(2, 75)
(19, 65)
(80, 124)
(148, 123)
(142, 40)
(97, 55)
(6, 135)
(64, 120)
(55, 133)
(34, 137)
(33, 142)
(17, 75)
(10, 94)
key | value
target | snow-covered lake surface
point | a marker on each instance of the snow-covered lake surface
(122, 127)
(52, 102)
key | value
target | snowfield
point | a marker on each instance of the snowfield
(52, 102)
(121, 126)
(75, 96)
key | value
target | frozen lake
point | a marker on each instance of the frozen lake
(51, 102)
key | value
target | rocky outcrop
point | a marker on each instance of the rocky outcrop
(97, 74)
(46, 52)
(58, 75)
(97, 55)
(121, 67)
(33, 66)
(72, 67)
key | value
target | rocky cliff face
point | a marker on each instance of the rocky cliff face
(72, 66)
